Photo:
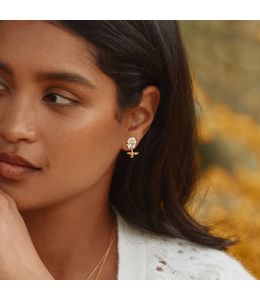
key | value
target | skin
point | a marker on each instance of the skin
(56, 224)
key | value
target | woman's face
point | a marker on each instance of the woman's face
(61, 124)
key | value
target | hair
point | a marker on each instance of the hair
(152, 190)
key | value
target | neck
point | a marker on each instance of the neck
(72, 236)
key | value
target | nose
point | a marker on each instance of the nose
(17, 122)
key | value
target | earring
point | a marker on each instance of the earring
(131, 143)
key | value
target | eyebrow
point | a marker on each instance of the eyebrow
(67, 77)
(56, 76)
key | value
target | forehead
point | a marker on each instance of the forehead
(39, 44)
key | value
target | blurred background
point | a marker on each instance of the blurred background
(224, 58)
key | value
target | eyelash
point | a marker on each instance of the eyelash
(73, 102)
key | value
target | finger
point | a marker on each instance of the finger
(6, 198)
(4, 193)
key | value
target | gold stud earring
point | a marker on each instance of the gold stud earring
(131, 143)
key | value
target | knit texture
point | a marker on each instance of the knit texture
(180, 259)
(144, 255)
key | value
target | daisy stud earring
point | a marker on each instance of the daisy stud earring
(131, 143)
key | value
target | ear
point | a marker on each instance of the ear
(141, 117)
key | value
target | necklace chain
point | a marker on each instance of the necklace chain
(105, 256)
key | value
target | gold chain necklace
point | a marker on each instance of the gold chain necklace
(105, 256)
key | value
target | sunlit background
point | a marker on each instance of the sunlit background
(225, 61)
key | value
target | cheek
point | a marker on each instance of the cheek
(79, 156)
(87, 151)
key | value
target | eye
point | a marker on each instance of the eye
(60, 100)
(3, 87)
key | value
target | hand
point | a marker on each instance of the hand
(18, 256)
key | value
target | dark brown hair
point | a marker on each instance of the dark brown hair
(151, 191)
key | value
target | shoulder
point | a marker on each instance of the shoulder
(174, 258)
(145, 255)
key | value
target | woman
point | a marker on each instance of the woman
(98, 155)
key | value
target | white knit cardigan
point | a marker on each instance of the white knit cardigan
(144, 255)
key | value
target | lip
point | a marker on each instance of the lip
(15, 172)
(16, 160)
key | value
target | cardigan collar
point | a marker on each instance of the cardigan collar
(131, 251)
